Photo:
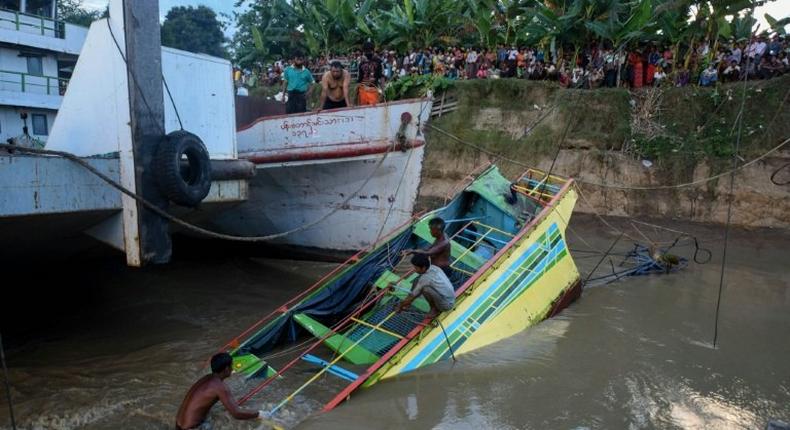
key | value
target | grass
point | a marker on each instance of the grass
(697, 123)
(599, 119)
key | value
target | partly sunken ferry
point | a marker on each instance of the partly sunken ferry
(507, 242)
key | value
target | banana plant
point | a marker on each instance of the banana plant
(421, 23)
(624, 23)
(332, 24)
(778, 25)
(549, 24)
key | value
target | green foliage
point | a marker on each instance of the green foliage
(699, 123)
(194, 29)
(336, 26)
(266, 30)
(778, 25)
(416, 86)
(73, 12)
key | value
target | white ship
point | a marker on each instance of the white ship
(334, 180)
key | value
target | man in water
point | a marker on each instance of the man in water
(297, 82)
(433, 285)
(334, 88)
(439, 251)
(206, 392)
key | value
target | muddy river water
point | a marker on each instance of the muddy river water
(94, 345)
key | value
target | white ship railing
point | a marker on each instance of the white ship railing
(33, 24)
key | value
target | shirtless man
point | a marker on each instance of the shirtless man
(439, 252)
(206, 392)
(334, 88)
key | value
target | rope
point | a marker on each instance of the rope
(554, 160)
(776, 172)
(616, 186)
(603, 257)
(191, 227)
(289, 397)
(735, 157)
(447, 339)
(7, 384)
(173, 102)
(137, 85)
(164, 214)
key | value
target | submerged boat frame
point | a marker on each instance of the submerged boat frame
(515, 272)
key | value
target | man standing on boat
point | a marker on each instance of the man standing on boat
(334, 88)
(297, 82)
(432, 284)
(439, 251)
(206, 392)
(370, 76)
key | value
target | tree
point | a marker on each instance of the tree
(421, 23)
(73, 12)
(265, 31)
(194, 29)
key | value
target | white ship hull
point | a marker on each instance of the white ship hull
(336, 180)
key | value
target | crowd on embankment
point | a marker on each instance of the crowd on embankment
(592, 66)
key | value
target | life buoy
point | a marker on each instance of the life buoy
(183, 169)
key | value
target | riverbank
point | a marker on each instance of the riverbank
(647, 139)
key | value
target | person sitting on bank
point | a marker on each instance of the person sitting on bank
(206, 392)
(439, 251)
(431, 284)
(334, 88)
(297, 82)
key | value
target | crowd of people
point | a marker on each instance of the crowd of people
(593, 66)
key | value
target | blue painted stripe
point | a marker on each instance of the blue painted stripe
(416, 361)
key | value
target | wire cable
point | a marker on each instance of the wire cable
(735, 158)
(617, 186)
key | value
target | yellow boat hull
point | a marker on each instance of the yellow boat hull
(520, 289)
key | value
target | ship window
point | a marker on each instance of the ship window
(40, 127)
(34, 66)
(9, 4)
(40, 8)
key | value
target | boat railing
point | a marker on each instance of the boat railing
(539, 186)
(355, 322)
(30, 83)
(34, 24)
(344, 323)
(235, 343)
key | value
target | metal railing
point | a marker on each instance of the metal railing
(33, 24)
(34, 84)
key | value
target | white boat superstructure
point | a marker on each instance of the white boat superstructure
(336, 179)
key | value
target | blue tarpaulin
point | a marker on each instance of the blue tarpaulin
(334, 301)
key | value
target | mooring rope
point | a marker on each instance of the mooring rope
(185, 224)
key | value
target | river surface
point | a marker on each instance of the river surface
(94, 345)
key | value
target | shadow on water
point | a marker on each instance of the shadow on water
(95, 345)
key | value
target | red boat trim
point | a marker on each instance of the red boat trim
(347, 109)
(569, 296)
(329, 334)
(310, 146)
(347, 152)
(346, 392)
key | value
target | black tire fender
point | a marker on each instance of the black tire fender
(182, 168)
